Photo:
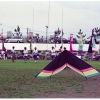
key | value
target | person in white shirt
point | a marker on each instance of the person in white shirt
(53, 53)
(35, 52)
(3, 54)
(13, 54)
(25, 52)
(99, 48)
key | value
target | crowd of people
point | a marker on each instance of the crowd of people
(25, 53)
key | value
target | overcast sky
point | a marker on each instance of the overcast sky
(69, 15)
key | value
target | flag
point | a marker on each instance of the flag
(62, 37)
(31, 47)
(55, 38)
(62, 33)
(90, 46)
(71, 49)
(90, 43)
(55, 45)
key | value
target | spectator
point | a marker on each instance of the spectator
(53, 53)
(35, 54)
(13, 54)
(60, 50)
(6, 54)
(99, 48)
(46, 55)
(64, 48)
(25, 54)
(3, 54)
(57, 53)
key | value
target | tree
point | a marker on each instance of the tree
(17, 32)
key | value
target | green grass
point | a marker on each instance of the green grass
(17, 80)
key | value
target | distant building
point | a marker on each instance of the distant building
(9, 34)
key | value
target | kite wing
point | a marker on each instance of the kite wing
(54, 67)
(80, 66)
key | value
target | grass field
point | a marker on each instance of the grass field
(17, 80)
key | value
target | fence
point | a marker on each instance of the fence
(20, 46)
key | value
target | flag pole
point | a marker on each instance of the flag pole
(48, 24)
(62, 28)
(33, 21)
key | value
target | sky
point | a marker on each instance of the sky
(35, 15)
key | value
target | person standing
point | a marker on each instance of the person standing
(46, 55)
(53, 53)
(6, 52)
(56, 53)
(60, 50)
(3, 54)
(99, 48)
(64, 48)
(35, 52)
(25, 52)
(13, 54)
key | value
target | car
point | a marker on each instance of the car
(97, 39)
(87, 41)
(75, 41)
(13, 40)
(63, 40)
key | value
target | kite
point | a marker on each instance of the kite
(80, 36)
(67, 59)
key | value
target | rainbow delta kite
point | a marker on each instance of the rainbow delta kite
(67, 59)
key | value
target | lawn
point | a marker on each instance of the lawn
(17, 80)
